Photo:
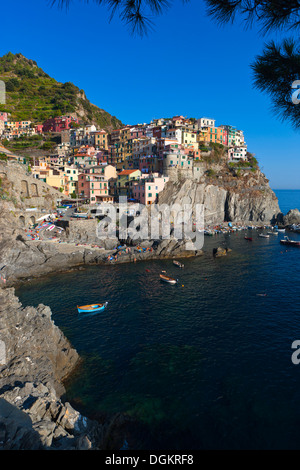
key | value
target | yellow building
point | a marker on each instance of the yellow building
(101, 139)
(189, 137)
(55, 179)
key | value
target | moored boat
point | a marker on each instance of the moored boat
(92, 308)
(248, 238)
(169, 280)
(263, 235)
(178, 264)
(287, 241)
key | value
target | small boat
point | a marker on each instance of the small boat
(272, 233)
(178, 264)
(248, 238)
(287, 241)
(169, 280)
(92, 308)
(263, 235)
(281, 230)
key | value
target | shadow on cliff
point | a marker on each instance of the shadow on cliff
(16, 431)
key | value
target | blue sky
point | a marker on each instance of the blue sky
(187, 65)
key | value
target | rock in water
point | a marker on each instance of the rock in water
(220, 251)
(292, 217)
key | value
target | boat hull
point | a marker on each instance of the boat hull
(94, 308)
(168, 280)
(290, 243)
(179, 265)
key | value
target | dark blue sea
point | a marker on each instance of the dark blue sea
(205, 364)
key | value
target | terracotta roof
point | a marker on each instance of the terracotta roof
(127, 172)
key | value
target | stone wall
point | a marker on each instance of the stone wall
(27, 190)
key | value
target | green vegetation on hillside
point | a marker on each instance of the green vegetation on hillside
(33, 95)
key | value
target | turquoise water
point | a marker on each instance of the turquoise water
(205, 364)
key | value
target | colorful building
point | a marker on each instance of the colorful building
(59, 124)
(146, 191)
(94, 187)
(123, 183)
(238, 153)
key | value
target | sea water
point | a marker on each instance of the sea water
(204, 364)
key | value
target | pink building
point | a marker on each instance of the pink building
(95, 187)
(150, 164)
(137, 132)
(59, 124)
(147, 190)
(3, 116)
(38, 128)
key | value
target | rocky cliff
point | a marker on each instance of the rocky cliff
(34, 358)
(228, 195)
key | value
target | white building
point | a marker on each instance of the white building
(239, 138)
(237, 153)
(206, 122)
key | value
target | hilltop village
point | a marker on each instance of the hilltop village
(95, 165)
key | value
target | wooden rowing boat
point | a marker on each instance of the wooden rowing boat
(178, 264)
(169, 280)
(92, 308)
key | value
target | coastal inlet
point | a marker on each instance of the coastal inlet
(203, 364)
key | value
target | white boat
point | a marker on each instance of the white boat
(281, 230)
(169, 280)
(178, 264)
(263, 235)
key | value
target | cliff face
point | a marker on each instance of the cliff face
(243, 196)
(34, 358)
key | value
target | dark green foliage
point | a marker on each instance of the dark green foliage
(274, 72)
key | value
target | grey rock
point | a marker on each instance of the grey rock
(292, 217)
